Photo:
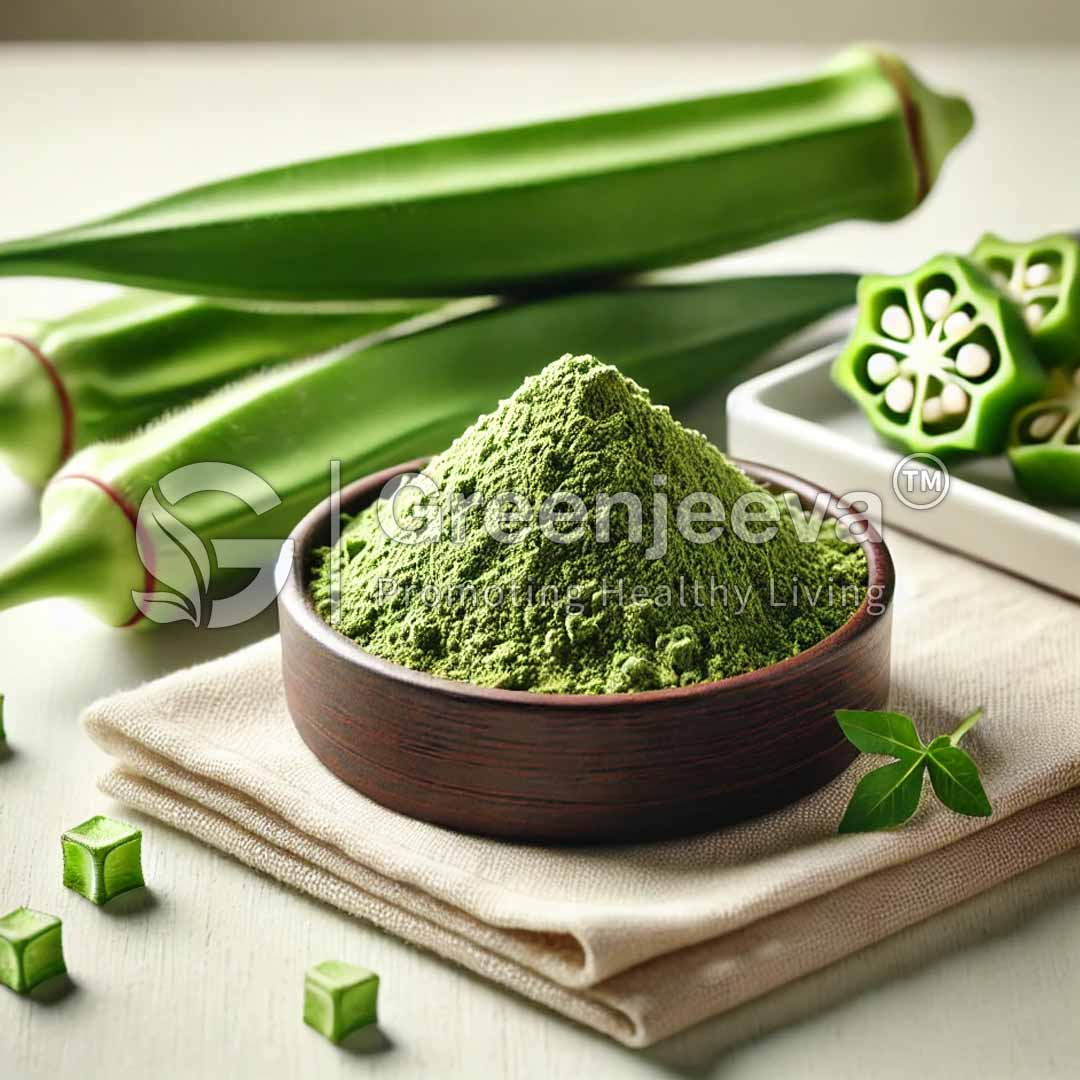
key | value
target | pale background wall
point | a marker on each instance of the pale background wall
(944, 22)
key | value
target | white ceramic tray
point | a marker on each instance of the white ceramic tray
(795, 419)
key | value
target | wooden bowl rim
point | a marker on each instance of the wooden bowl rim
(297, 600)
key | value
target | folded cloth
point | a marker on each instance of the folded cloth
(641, 941)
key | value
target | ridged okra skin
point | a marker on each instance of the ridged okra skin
(372, 408)
(939, 359)
(101, 372)
(507, 210)
(1043, 278)
(1044, 444)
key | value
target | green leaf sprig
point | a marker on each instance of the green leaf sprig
(887, 797)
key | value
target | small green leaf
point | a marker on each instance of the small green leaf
(890, 795)
(887, 796)
(956, 779)
(881, 733)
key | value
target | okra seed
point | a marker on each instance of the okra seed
(932, 410)
(1038, 274)
(935, 303)
(959, 322)
(1044, 425)
(954, 400)
(973, 360)
(882, 368)
(896, 322)
(899, 395)
(1001, 280)
(1034, 315)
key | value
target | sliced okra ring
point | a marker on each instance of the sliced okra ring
(1044, 443)
(1043, 279)
(939, 360)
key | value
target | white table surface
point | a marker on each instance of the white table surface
(206, 981)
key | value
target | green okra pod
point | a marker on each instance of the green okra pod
(391, 402)
(102, 371)
(515, 208)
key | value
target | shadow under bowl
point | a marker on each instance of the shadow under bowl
(577, 768)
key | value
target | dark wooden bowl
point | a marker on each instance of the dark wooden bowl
(578, 768)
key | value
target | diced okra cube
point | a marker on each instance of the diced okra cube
(339, 998)
(102, 859)
(31, 949)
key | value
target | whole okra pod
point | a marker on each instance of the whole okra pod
(388, 403)
(511, 209)
(103, 371)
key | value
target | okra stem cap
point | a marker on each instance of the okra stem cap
(32, 422)
(85, 550)
(936, 122)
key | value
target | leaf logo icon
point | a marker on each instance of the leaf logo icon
(181, 561)
(177, 559)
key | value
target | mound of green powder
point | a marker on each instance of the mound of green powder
(578, 601)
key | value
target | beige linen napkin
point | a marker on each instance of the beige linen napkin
(643, 941)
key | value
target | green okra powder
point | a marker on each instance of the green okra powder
(517, 560)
